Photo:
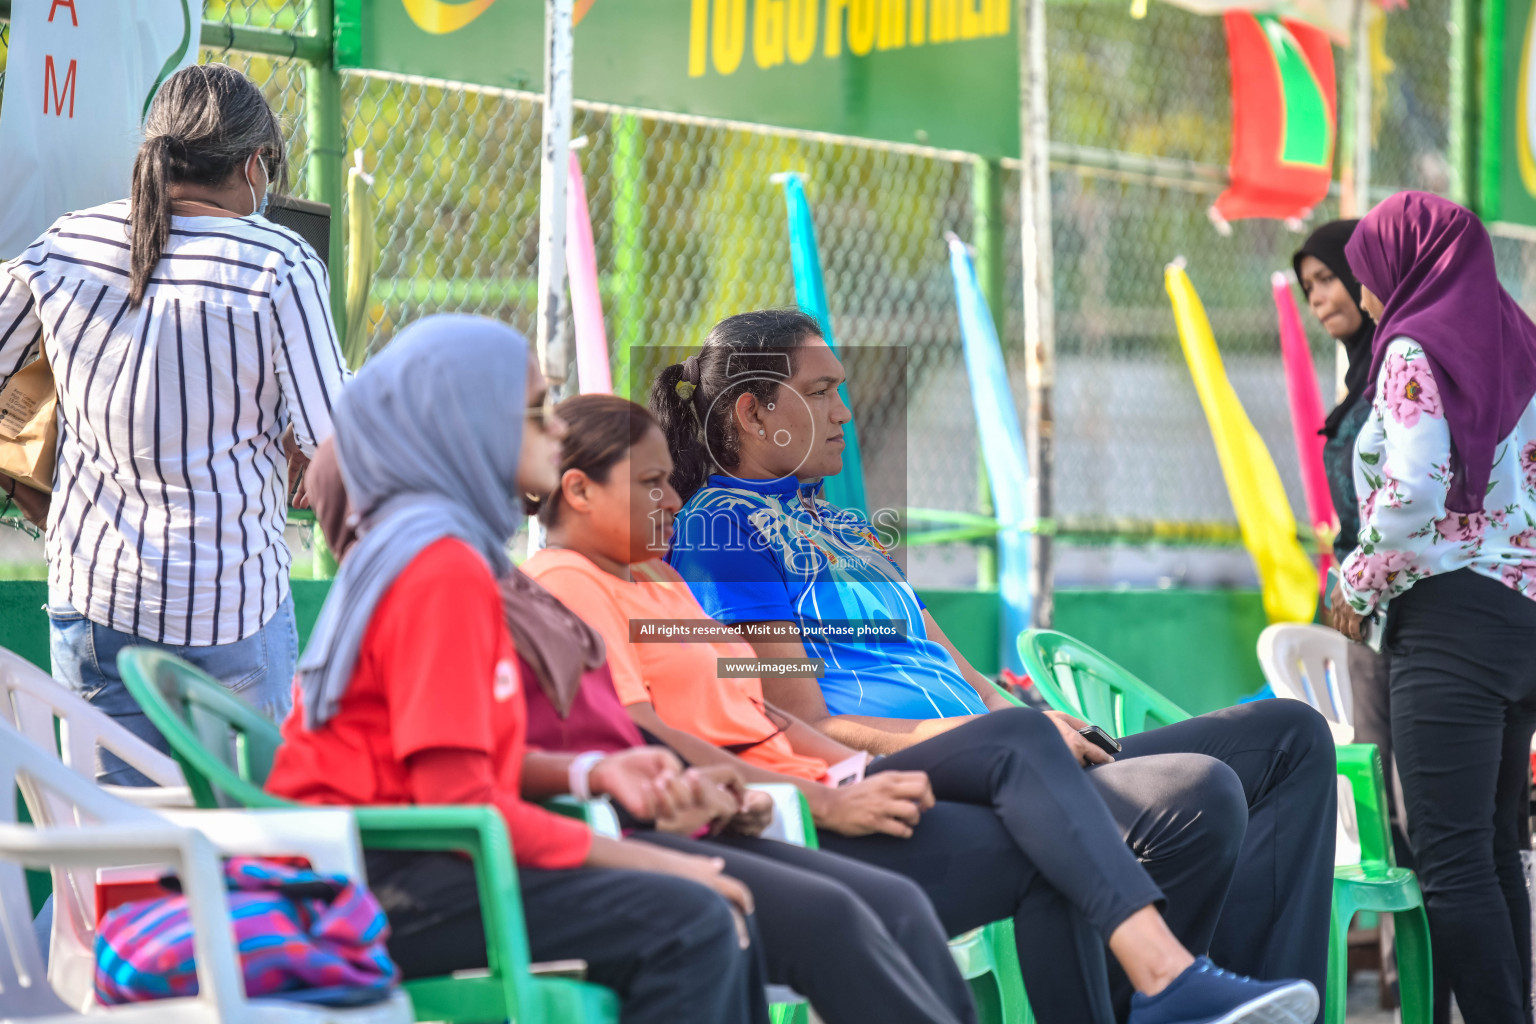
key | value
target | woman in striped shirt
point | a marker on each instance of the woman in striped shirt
(186, 334)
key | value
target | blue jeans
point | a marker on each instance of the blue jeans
(259, 668)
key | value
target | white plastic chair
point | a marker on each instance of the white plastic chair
(1310, 663)
(100, 829)
(32, 701)
(59, 722)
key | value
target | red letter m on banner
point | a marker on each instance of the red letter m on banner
(51, 87)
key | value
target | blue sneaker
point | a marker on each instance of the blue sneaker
(1206, 994)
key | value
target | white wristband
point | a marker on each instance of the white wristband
(579, 774)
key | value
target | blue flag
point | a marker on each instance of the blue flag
(1002, 446)
(846, 490)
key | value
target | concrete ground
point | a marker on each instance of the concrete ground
(1363, 1004)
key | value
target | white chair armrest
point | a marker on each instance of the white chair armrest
(154, 796)
(325, 836)
(93, 845)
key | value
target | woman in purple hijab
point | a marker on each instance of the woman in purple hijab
(1445, 575)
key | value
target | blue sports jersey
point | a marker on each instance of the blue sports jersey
(752, 551)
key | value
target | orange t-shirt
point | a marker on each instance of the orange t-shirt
(681, 680)
(436, 671)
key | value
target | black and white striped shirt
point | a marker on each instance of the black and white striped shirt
(169, 493)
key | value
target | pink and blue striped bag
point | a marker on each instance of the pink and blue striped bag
(300, 935)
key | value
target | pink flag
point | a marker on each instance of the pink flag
(1306, 417)
(592, 372)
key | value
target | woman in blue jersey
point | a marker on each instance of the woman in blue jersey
(754, 425)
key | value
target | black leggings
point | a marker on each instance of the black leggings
(666, 945)
(1463, 711)
(1022, 829)
(860, 943)
(1274, 923)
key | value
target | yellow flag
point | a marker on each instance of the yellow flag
(362, 260)
(1286, 575)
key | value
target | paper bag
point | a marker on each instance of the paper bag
(29, 428)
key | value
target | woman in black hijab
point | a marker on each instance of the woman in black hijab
(1333, 295)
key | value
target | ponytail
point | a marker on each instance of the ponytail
(694, 401)
(673, 403)
(149, 213)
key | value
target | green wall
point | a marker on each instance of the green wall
(23, 623)
(1195, 646)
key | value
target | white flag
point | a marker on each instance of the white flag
(79, 77)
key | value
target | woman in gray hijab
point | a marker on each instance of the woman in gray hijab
(409, 692)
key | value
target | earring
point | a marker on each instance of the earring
(761, 432)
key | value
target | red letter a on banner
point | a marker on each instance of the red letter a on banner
(73, 19)
(51, 87)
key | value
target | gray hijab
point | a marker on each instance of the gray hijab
(428, 436)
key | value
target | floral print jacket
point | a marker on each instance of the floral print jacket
(1402, 472)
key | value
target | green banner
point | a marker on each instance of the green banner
(1507, 176)
(934, 72)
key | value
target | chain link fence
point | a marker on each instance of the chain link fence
(689, 228)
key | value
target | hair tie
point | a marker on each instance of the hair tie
(174, 147)
(688, 387)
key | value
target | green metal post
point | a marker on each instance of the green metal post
(1463, 101)
(327, 150)
(987, 236)
(327, 184)
(1490, 95)
(627, 328)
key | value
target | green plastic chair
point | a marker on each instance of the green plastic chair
(1378, 884)
(1075, 678)
(225, 750)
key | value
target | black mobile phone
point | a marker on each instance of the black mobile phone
(1101, 739)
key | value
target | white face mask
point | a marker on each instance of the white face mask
(258, 208)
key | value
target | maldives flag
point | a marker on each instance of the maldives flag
(1284, 111)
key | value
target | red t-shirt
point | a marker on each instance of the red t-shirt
(436, 671)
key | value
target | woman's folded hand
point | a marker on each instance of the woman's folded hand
(886, 802)
(645, 781)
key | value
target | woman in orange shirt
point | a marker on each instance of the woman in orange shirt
(409, 692)
(1027, 836)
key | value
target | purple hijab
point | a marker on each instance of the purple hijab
(1430, 262)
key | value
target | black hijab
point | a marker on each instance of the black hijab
(1327, 244)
